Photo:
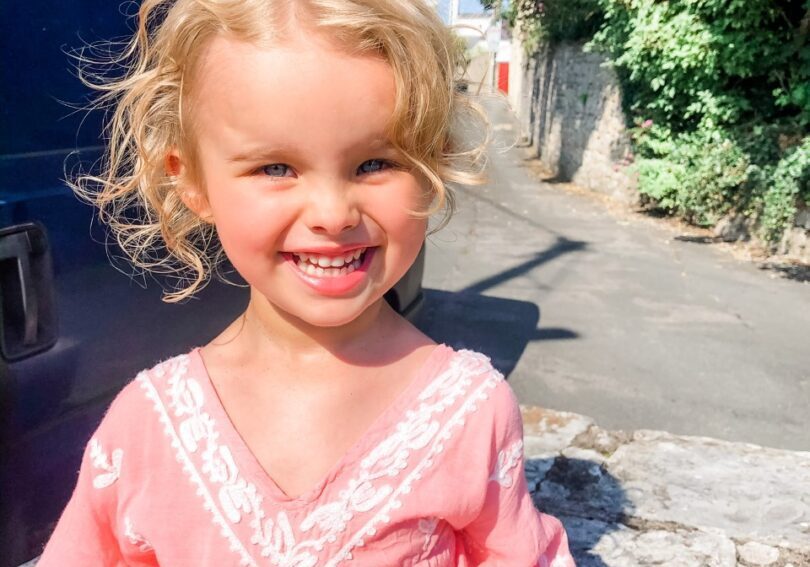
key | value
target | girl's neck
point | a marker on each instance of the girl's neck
(271, 330)
(266, 340)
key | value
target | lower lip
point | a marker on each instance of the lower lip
(334, 285)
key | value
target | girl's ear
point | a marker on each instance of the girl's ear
(192, 195)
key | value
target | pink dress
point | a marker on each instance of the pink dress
(436, 481)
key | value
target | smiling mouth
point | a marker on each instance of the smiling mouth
(322, 266)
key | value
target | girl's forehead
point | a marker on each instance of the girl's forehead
(295, 87)
(311, 61)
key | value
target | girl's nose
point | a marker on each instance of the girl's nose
(332, 209)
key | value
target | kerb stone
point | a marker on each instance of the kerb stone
(749, 492)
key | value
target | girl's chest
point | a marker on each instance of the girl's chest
(299, 441)
(302, 445)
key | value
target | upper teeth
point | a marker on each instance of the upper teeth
(330, 261)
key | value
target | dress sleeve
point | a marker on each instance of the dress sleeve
(85, 533)
(509, 531)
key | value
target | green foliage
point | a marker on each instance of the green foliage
(788, 184)
(701, 178)
(707, 63)
(661, 180)
(718, 90)
(704, 175)
(554, 20)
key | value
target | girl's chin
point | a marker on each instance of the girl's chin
(327, 312)
(334, 320)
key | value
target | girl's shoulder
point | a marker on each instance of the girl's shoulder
(128, 414)
(471, 386)
(468, 363)
(472, 369)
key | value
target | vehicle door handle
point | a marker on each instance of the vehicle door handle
(27, 307)
(18, 246)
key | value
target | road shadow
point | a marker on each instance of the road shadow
(500, 328)
(589, 501)
(788, 270)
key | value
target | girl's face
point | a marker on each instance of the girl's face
(312, 204)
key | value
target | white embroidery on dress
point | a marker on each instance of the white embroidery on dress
(101, 461)
(463, 367)
(371, 488)
(507, 460)
(135, 538)
(179, 365)
(427, 526)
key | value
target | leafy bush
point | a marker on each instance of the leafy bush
(709, 62)
(704, 175)
(554, 20)
(700, 178)
(788, 184)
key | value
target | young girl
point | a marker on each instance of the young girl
(310, 140)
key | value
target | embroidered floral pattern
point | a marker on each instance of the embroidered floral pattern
(507, 460)
(462, 368)
(135, 538)
(373, 491)
(111, 466)
(179, 366)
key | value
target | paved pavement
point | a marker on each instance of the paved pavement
(617, 316)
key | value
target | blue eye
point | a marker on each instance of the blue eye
(373, 166)
(276, 170)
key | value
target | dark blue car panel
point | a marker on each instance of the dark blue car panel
(109, 328)
(109, 325)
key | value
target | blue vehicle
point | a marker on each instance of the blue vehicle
(73, 329)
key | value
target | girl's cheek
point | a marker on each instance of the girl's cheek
(395, 201)
(252, 221)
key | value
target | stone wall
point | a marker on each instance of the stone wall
(569, 105)
(796, 241)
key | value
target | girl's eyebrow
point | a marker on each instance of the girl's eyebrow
(262, 154)
(256, 155)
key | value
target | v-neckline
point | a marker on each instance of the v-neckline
(249, 464)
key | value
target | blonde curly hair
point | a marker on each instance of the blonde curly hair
(146, 82)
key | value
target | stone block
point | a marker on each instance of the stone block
(548, 431)
(755, 553)
(599, 544)
(750, 492)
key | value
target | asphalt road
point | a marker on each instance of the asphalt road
(614, 317)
